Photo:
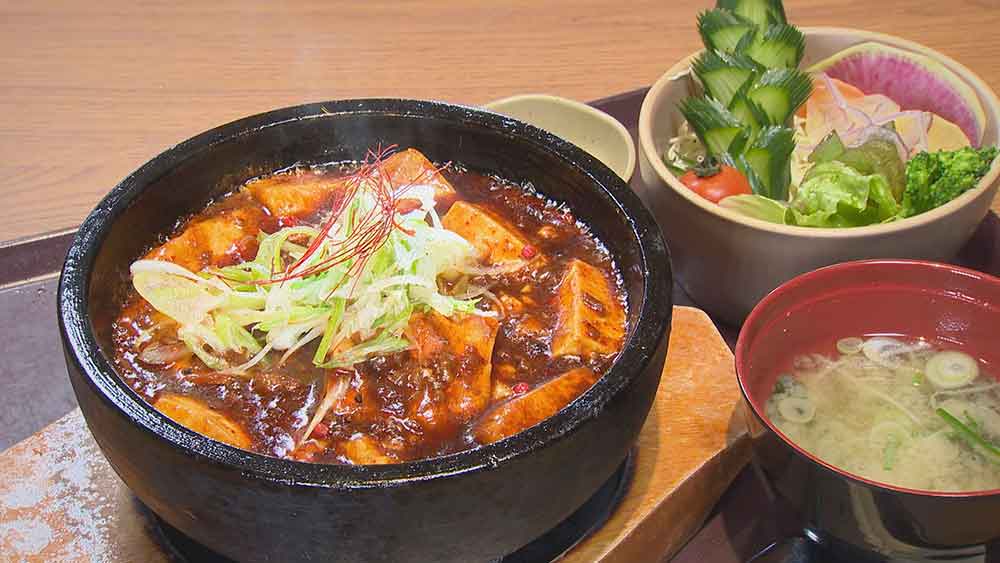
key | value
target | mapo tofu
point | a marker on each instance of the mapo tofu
(369, 313)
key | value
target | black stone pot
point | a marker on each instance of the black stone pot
(466, 507)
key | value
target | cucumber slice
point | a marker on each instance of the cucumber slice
(719, 130)
(779, 142)
(723, 74)
(760, 12)
(760, 161)
(746, 41)
(722, 30)
(774, 101)
(780, 92)
(726, 140)
(748, 112)
(756, 183)
(768, 162)
(779, 46)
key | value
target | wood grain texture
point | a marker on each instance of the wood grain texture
(91, 90)
(692, 447)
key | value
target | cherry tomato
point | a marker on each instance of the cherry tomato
(715, 181)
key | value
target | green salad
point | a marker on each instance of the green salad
(830, 146)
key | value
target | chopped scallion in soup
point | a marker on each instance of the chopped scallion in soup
(897, 411)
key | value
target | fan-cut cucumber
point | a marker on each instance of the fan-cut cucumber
(780, 92)
(767, 162)
(748, 111)
(760, 12)
(722, 30)
(719, 130)
(723, 74)
(777, 46)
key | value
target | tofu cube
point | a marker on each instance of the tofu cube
(590, 319)
(201, 418)
(295, 194)
(524, 411)
(412, 167)
(364, 450)
(468, 341)
(218, 240)
(496, 240)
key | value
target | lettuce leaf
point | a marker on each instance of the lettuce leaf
(834, 194)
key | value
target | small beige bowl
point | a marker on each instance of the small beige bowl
(727, 262)
(587, 127)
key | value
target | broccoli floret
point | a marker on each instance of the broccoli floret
(933, 179)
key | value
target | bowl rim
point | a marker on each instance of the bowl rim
(648, 147)
(742, 355)
(499, 106)
(640, 348)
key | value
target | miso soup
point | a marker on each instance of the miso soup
(899, 411)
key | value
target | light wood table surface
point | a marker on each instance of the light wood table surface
(91, 90)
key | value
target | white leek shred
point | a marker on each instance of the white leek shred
(356, 310)
(334, 392)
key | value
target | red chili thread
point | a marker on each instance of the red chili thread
(368, 232)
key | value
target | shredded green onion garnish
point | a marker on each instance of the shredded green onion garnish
(356, 301)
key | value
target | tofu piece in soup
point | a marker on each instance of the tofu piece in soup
(527, 410)
(468, 341)
(295, 194)
(201, 418)
(221, 239)
(496, 240)
(363, 450)
(412, 167)
(590, 319)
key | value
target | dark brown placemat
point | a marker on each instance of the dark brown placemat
(34, 388)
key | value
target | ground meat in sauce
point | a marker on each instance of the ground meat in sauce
(399, 403)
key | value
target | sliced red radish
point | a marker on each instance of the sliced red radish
(913, 81)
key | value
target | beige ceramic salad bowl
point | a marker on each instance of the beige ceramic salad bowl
(727, 261)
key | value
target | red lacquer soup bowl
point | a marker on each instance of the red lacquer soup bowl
(846, 514)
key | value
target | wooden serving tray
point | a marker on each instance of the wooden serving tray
(693, 445)
(60, 500)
